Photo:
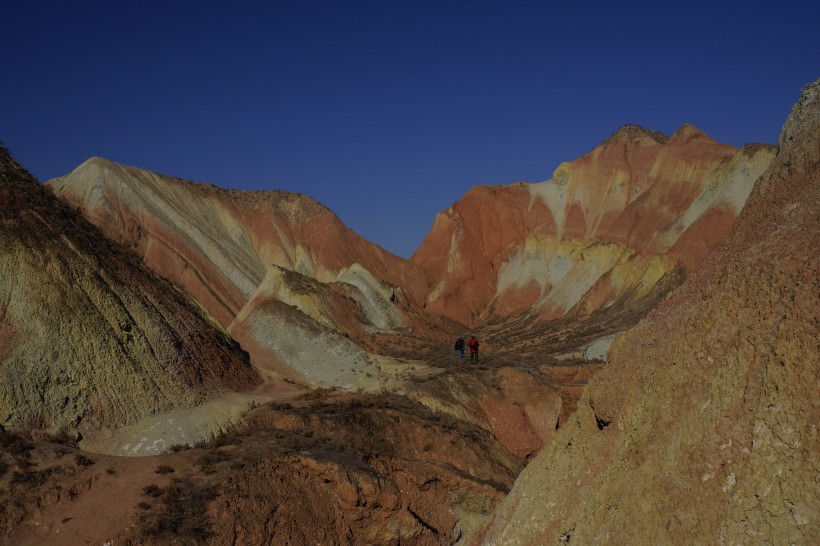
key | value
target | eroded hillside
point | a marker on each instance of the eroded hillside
(563, 263)
(280, 271)
(328, 468)
(605, 232)
(709, 405)
(702, 428)
(89, 337)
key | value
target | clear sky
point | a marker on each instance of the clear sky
(387, 112)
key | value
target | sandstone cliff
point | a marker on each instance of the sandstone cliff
(89, 337)
(702, 428)
(603, 232)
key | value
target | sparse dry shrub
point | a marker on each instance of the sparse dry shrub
(164, 469)
(209, 458)
(63, 437)
(315, 394)
(181, 514)
(4, 467)
(34, 423)
(82, 460)
(14, 445)
(34, 478)
(23, 461)
(152, 490)
(228, 438)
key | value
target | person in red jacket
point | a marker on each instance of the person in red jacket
(473, 349)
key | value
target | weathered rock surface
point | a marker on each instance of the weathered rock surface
(612, 231)
(293, 285)
(219, 244)
(606, 229)
(520, 406)
(90, 337)
(703, 426)
(305, 330)
(700, 408)
(335, 469)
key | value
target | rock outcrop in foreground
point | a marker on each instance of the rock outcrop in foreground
(703, 427)
(332, 468)
(90, 337)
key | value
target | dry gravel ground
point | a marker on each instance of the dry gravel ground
(331, 467)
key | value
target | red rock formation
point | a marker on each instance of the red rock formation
(241, 255)
(609, 228)
(337, 469)
(505, 250)
(702, 427)
(218, 244)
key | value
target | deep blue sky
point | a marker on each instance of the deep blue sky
(387, 112)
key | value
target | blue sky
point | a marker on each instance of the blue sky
(387, 112)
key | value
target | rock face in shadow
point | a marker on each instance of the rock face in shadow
(606, 229)
(702, 428)
(364, 470)
(90, 337)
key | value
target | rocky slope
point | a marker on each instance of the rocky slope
(702, 428)
(287, 278)
(89, 337)
(332, 468)
(218, 244)
(703, 397)
(605, 231)
(598, 245)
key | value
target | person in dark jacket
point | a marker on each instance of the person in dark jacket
(460, 347)
(473, 349)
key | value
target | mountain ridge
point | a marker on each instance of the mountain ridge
(619, 225)
(641, 194)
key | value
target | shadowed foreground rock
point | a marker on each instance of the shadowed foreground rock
(702, 429)
(89, 337)
(331, 469)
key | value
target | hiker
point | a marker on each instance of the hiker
(460, 347)
(473, 349)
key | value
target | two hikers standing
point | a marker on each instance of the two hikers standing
(473, 348)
